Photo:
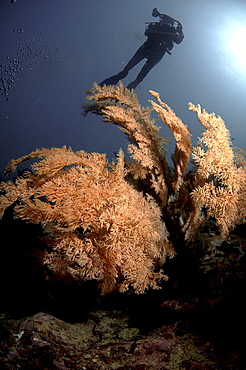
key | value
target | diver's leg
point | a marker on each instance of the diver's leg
(144, 71)
(137, 57)
(150, 63)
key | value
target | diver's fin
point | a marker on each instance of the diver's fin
(114, 79)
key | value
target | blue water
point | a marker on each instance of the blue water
(52, 51)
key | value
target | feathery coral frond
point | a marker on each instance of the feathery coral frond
(96, 222)
(218, 180)
(121, 107)
(98, 225)
(182, 137)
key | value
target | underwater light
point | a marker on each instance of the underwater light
(237, 44)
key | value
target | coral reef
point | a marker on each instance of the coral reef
(98, 225)
(116, 222)
(217, 184)
(105, 341)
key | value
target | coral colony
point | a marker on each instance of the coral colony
(114, 222)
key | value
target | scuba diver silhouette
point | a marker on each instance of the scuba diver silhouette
(160, 38)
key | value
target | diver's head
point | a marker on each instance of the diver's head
(155, 13)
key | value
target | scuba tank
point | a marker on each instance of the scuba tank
(159, 28)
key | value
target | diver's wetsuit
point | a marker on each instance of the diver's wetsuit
(161, 36)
